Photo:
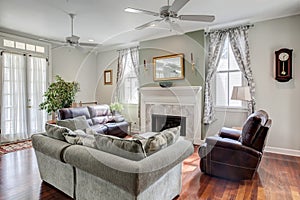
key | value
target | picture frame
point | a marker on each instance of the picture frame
(169, 67)
(108, 77)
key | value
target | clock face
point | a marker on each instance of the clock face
(283, 56)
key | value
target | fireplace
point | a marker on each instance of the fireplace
(162, 122)
(182, 101)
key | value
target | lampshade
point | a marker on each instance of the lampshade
(241, 93)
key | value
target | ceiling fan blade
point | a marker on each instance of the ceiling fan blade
(141, 11)
(51, 40)
(152, 23)
(177, 5)
(200, 18)
(88, 44)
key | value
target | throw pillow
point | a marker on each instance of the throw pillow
(130, 149)
(162, 140)
(81, 138)
(155, 143)
(90, 131)
(74, 123)
(171, 134)
(56, 132)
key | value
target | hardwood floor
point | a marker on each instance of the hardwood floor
(278, 177)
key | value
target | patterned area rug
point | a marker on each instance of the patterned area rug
(7, 148)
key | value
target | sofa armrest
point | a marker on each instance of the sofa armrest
(230, 133)
(49, 146)
(227, 143)
(132, 176)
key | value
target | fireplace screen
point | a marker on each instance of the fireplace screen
(162, 122)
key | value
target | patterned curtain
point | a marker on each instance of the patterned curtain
(133, 55)
(122, 59)
(216, 42)
(238, 38)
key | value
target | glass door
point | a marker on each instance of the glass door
(23, 85)
(36, 87)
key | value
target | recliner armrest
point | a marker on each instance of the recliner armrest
(230, 133)
(231, 144)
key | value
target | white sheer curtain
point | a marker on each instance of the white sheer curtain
(13, 108)
(36, 87)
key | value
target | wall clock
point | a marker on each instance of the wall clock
(283, 59)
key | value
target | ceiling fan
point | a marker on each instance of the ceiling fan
(72, 40)
(169, 14)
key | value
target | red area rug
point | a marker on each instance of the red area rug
(7, 148)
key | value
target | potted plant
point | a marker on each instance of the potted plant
(60, 94)
(116, 108)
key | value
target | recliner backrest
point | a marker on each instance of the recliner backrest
(254, 129)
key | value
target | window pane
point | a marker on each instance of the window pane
(30, 47)
(20, 45)
(223, 64)
(221, 89)
(232, 61)
(40, 49)
(235, 79)
(8, 43)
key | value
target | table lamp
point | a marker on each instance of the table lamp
(242, 93)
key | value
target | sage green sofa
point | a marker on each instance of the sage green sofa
(82, 172)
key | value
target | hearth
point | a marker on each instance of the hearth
(162, 122)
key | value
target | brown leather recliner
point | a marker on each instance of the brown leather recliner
(236, 154)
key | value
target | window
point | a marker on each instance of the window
(129, 87)
(30, 47)
(228, 75)
(20, 45)
(8, 43)
(24, 46)
(40, 49)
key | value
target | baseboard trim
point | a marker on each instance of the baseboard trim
(290, 152)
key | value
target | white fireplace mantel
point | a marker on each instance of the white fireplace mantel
(179, 101)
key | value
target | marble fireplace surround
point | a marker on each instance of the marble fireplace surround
(182, 101)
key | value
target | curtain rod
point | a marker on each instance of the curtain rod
(228, 28)
(2, 50)
(118, 50)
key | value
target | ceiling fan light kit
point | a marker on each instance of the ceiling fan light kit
(169, 14)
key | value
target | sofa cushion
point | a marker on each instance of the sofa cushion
(67, 113)
(99, 128)
(99, 110)
(55, 131)
(100, 120)
(130, 149)
(74, 123)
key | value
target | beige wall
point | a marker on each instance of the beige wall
(76, 65)
(186, 44)
(105, 61)
(280, 100)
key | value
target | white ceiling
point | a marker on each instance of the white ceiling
(107, 23)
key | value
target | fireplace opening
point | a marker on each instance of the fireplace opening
(162, 122)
